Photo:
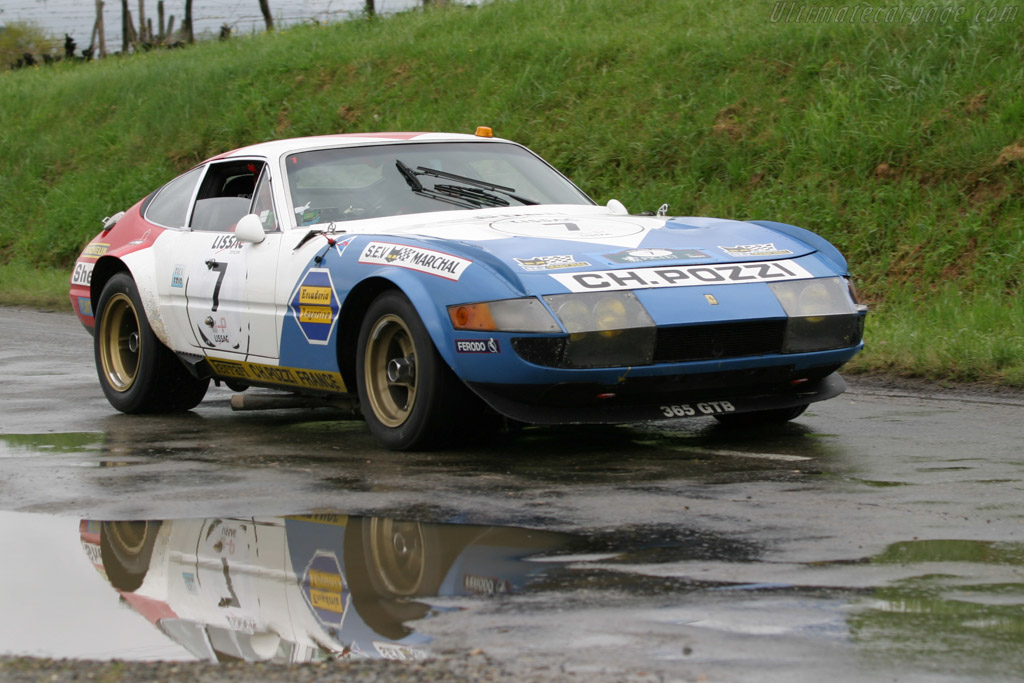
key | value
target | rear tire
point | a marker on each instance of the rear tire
(762, 417)
(126, 549)
(409, 396)
(137, 372)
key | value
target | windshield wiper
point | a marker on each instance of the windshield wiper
(476, 196)
(409, 175)
(493, 187)
(447, 197)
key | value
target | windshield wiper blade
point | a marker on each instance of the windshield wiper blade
(470, 194)
(483, 184)
(409, 175)
(462, 197)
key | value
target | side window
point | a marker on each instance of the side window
(225, 195)
(170, 206)
(263, 204)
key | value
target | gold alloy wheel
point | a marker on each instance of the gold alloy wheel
(398, 554)
(130, 537)
(390, 370)
(120, 342)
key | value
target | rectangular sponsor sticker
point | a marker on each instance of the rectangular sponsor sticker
(550, 262)
(82, 274)
(490, 345)
(414, 258)
(96, 249)
(747, 250)
(276, 374)
(682, 276)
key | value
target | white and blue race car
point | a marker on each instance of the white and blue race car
(442, 280)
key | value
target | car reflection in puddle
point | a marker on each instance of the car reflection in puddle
(305, 588)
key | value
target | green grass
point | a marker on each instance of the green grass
(43, 288)
(900, 142)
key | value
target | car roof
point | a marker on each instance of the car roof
(275, 148)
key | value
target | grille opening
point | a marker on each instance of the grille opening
(719, 340)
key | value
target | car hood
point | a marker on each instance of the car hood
(548, 239)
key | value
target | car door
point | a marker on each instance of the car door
(230, 283)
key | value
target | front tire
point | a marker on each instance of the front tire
(137, 372)
(409, 396)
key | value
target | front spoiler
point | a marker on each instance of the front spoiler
(605, 408)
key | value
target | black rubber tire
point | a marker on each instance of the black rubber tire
(126, 549)
(762, 417)
(427, 407)
(137, 372)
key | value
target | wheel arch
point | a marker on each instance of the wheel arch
(109, 266)
(358, 301)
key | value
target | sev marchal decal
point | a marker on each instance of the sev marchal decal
(550, 262)
(415, 258)
(767, 249)
(682, 276)
(322, 380)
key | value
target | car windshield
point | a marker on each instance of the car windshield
(352, 183)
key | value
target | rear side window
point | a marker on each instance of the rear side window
(170, 206)
(225, 195)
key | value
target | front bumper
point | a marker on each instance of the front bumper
(659, 398)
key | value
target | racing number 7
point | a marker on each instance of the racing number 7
(221, 267)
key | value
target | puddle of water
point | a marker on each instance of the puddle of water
(282, 589)
(881, 484)
(20, 445)
(322, 586)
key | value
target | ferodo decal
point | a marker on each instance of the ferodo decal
(415, 258)
(640, 255)
(316, 305)
(401, 653)
(682, 276)
(490, 345)
(767, 249)
(83, 274)
(96, 249)
(321, 380)
(324, 588)
(550, 262)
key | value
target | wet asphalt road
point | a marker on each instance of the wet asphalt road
(878, 537)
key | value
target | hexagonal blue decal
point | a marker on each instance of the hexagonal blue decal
(316, 306)
(324, 588)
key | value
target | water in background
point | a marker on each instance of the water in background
(76, 17)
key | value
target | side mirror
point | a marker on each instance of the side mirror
(250, 229)
(617, 207)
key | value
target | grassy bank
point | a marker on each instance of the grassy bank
(898, 140)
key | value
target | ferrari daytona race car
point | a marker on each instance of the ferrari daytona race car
(440, 281)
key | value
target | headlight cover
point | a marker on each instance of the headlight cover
(506, 315)
(822, 314)
(605, 329)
